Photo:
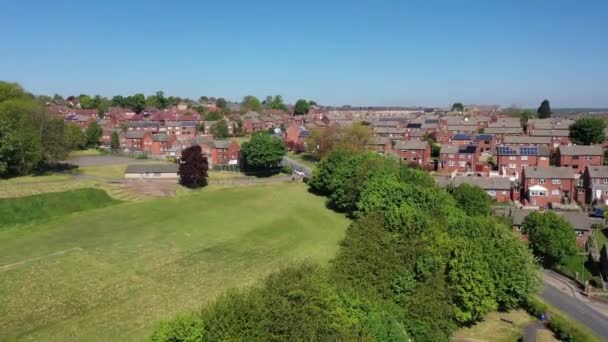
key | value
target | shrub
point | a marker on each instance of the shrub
(141, 156)
(186, 328)
(286, 169)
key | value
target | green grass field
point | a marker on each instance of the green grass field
(112, 273)
(45, 206)
(494, 328)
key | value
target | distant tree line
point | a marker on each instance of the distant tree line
(415, 264)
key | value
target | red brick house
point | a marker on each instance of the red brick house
(381, 145)
(559, 137)
(413, 151)
(511, 159)
(543, 186)
(295, 136)
(594, 185)
(162, 143)
(578, 157)
(500, 132)
(224, 151)
(138, 140)
(457, 158)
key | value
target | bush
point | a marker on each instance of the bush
(141, 156)
(186, 328)
(286, 169)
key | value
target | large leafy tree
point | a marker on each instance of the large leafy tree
(544, 110)
(193, 167)
(301, 107)
(220, 130)
(158, 100)
(74, 137)
(473, 200)
(587, 131)
(275, 102)
(137, 102)
(221, 103)
(457, 107)
(523, 119)
(114, 141)
(250, 103)
(551, 237)
(93, 134)
(263, 151)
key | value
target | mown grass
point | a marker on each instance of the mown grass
(112, 273)
(304, 158)
(25, 209)
(495, 328)
(85, 153)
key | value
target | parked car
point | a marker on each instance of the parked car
(597, 212)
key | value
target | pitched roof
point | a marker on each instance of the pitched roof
(135, 134)
(221, 143)
(449, 149)
(411, 145)
(550, 133)
(581, 150)
(491, 183)
(524, 139)
(152, 168)
(160, 137)
(598, 171)
(507, 150)
(503, 130)
(549, 172)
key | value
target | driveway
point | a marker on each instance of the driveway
(296, 165)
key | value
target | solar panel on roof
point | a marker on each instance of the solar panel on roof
(484, 137)
(529, 150)
(461, 136)
(506, 150)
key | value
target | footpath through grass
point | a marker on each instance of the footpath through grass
(112, 273)
(24, 209)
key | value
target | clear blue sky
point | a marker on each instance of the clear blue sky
(427, 52)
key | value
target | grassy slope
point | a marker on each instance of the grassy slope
(127, 266)
(492, 328)
(24, 209)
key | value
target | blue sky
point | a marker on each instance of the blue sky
(336, 52)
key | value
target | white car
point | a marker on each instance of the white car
(299, 173)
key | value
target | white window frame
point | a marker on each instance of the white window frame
(556, 181)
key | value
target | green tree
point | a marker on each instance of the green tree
(114, 141)
(473, 200)
(93, 134)
(74, 138)
(158, 100)
(119, 101)
(250, 103)
(523, 119)
(551, 237)
(544, 110)
(263, 151)
(10, 91)
(214, 116)
(301, 107)
(275, 102)
(221, 103)
(58, 99)
(471, 283)
(86, 102)
(220, 130)
(137, 102)
(588, 131)
(457, 107)
(203, 99)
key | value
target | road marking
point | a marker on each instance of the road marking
(9, 266)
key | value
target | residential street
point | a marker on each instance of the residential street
(559, 292)
(295, 165)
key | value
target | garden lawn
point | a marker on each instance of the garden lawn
(494, 328)
(113, 273)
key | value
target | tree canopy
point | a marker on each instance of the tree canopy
(220, 130)
(114, 141)
(551, 237)
(587, 131)
(263, 151)
(93, 134)
(301, 107)
(544, 110)
(473, 200)
(457, 107)
(193, 167)
(250, 103)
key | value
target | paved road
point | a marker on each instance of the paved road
(296, 165)
(577, 309)
(531, 331)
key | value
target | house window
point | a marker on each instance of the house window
(524, 157)
(587, 158)
(579, 233)
(512, 158)
(605, 181)
(450, 163)
(538, 193)
(532, 181)
(503, 192)
(403, 158)
(581, 191)
(541, 181)
(461, 156)
(462, 164)
(512, 166)
(556, 181)
(450, 156)
(492, 193)
(555, 192)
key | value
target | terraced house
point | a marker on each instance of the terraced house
(544, 186)
(579, 157)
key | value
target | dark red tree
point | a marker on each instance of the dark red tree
(193, 168)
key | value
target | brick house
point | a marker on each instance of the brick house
(524, 140)
(559, 137)
(162, 144)
(594, 185)
(578, 157)
(580, 221)
(381, 145)
(499, 188)
(485, 142)
(457, 158)
(500, 132)
(413, 151)
(543, 186)
(295, 136)
(511, 159)
(147, 126)
(138, 140)
(224, 151)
